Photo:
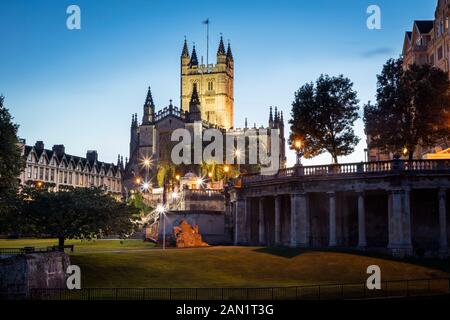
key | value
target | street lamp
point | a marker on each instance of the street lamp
(160, 209)
(237, 154)
(147, 163)
(299, 150)
(145, 186)
(405, 151)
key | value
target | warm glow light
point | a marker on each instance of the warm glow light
(160, 209)
(200, 182)
(226, 169)
(405, 151)
(177, 177)
(146, 162)
(297, 144)
(138, 180)
(210, 174)
(39, 184)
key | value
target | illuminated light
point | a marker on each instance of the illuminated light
(160, 209)
(297, 144)
(147, 162)
(145, 186)
(174, 195)
(138, 180)
(177, 177)
(210, 174)
(200, 182)
(226, 169)
(237, 153)
(405, 151)
(39, 184)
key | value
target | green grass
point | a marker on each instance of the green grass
(80, 245)
(107, 263)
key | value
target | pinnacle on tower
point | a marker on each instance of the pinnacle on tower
(149, 108)
(221, 50)
(229, 54)
(194, 60)
(194, 106)
(149, 99)
(185, 52)
(276, 115)
(270, 118)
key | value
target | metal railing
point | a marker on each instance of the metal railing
(376, 167)
(342, 291)
(25, 250)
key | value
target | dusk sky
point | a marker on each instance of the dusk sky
(80, 87)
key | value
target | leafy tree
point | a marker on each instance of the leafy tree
(167, 172)
(323, 116)
(137, 199)
(412, 108)
(11, 161)
(81, 213)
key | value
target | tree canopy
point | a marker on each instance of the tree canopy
(323, 115)
(412, 108)
(11, 162)
(80, 213)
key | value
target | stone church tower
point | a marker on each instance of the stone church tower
(214, 85)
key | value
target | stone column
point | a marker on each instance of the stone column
(239, 226)
(300, 220)
(332, 219)
(278, 199)
(399, 222)
(362, 241)
(443, 245)
(262, 235)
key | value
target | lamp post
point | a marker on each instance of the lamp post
(226, 169)
(147, 162)
(299, 150)
(237, 154)
(161, 210)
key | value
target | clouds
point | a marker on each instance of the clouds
(382, 51)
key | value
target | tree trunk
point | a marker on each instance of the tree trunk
(335, 159)
(411, 155)
(61, 244)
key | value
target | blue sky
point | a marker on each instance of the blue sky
(80, 87)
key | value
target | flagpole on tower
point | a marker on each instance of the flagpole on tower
(207, 41)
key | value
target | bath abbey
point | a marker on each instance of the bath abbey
(206, 101)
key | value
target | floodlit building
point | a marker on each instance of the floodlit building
(56, 170)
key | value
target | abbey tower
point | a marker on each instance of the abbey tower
(214, 85)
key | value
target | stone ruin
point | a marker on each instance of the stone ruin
(21, 273)
(187, 236)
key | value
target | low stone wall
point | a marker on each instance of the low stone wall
(204, 200)
(23, 272)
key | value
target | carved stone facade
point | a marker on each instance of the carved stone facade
(215, 85)
(207, 101)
